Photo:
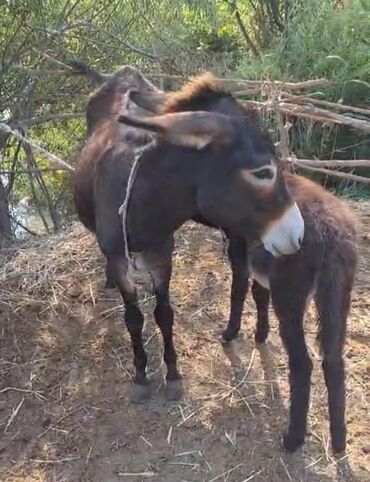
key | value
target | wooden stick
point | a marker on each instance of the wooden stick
(281, 84)
(322, 115)
(334, 105)
(51, 118)
(331, 163)
(311, 113)
(52, 157)
(329, 172)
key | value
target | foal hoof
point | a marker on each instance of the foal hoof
(140, 393)
(174, 390)
(227, 336)
(292, 443)
(260, 337)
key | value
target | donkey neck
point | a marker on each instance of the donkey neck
(163, 196)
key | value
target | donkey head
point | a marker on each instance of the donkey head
(239, 183)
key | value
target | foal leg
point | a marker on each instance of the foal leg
(289, 300)
(333, 302)
(238, 256)
(134, 320)
(261, 297)
(163, 314)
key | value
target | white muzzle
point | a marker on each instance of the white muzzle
(285, 235)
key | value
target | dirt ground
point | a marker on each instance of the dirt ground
(66, 365)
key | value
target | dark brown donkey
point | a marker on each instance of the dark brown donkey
(207, 163)
(324, 267)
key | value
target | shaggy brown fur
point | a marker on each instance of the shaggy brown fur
(197, 91)
(325, 268)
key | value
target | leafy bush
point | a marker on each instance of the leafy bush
(323, 39)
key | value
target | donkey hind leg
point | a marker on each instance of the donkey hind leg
(161, 270)
(333, 301)
(261, 297)
(134, 320)
(289, 300)
(238, 256)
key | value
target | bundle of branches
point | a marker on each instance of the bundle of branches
(278, 98)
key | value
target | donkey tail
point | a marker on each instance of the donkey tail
(81, 68)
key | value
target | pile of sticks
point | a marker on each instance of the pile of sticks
(281, 98)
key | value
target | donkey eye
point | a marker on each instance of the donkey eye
(266, 173)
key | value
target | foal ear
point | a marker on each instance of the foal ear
(152, 102)
(191, 129)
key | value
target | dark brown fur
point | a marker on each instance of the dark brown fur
(325, 268)
(173, 184)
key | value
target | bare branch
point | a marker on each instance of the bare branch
(51, 157)
(329, 172)
(242, 83)
(51, 118)
(18, 223)
(322, 115)
(331, 163)
(33, 171)
(334, 105)
(243, 29)
(312, 113)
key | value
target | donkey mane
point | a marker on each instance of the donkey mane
(199, 91)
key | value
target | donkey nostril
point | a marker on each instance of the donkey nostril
(300, 239)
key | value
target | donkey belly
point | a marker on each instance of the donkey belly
(260, 263)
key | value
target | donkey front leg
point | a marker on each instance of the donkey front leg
(238, 256)
(110, 282)
(164, 317)
(261, 297)
(134, 320)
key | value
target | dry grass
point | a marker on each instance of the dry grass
(65, 376)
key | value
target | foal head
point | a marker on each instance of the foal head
(239, 184)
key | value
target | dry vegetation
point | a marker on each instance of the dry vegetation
(66, 364)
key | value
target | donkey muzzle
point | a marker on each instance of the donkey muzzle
(285, 235)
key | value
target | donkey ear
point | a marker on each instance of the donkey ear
(191, 129)
(152, 102)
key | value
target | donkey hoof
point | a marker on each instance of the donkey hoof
(174, 390)
(110, 292)
(227, 336)
(260, 337)
(140, 393)
(339, 448)
(291, 443)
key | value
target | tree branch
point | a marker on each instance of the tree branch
(52, 157)
(332, 164)
(329, 172)
(34, 121)
(18, 223)
(243, 29)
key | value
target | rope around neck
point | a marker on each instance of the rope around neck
(123, 210)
